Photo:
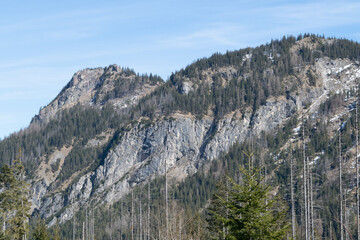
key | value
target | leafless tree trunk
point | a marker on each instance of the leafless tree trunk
(121, 219)
(93, 223)
(311, 203)
(308, 196)
(91, 217)
(330, 231)
(111, 225)
(357, 166)
(340, 190)
(306, 214)
(74, 226)
(83, 231)
(180, 230)
(140, 216)
(132, 214)
(346, 216)
(166, 202)
(293, 220)
(148, 216)
(87, 223)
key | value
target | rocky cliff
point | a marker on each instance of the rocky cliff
(186, 143)
(89, 87)
(136, 150)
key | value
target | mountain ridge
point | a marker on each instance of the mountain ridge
(106, 139)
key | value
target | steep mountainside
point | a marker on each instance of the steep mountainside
(111, 130)
(89, 87)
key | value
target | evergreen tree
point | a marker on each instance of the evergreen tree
(3, 236)
(56, 235)
(14, 204)
(40, 232)
(249, 211)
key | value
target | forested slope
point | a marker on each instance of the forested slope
(112, 131)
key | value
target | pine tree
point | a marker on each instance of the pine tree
(40, 231)
(4, 237)
(216, 225)
(252, 212)
(14, 204)
(57, 232)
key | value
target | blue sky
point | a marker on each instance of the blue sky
(42, 43)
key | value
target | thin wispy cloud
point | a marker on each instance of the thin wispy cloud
(218, 35)
(314, 14)
(267, 21)
(73, 17)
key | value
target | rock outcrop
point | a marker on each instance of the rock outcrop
(89, 86)
(186, 142)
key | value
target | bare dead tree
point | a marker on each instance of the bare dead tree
(83, 231)
(74, 226)
(166, 202)
(346, 218)
(121, 218)
(293, 220)
(330, 230)
(148, 213)
(306, 213)
(357, 165)
(87, 223)
(132, 214)
(180, 228)
(308, 196)
(311, 203)
(140, 216)
(111, 222)
(341, 190)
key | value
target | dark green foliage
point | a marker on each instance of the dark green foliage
(247, 210)
(4, 237)
(341, 48)
(312, 78)
(14, 203)
(127, 83)
(40, 232)
(81, 158)
(306, 54)
(259, 73)
(249, 87)
(80, 123)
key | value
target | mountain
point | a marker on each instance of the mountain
(111, 132)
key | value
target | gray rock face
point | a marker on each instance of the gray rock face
(272, 114)
(185, 87)
(79, 90)
(38, 190)
(186, 142)
(87, 84)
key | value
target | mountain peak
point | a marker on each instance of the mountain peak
(97, 86)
